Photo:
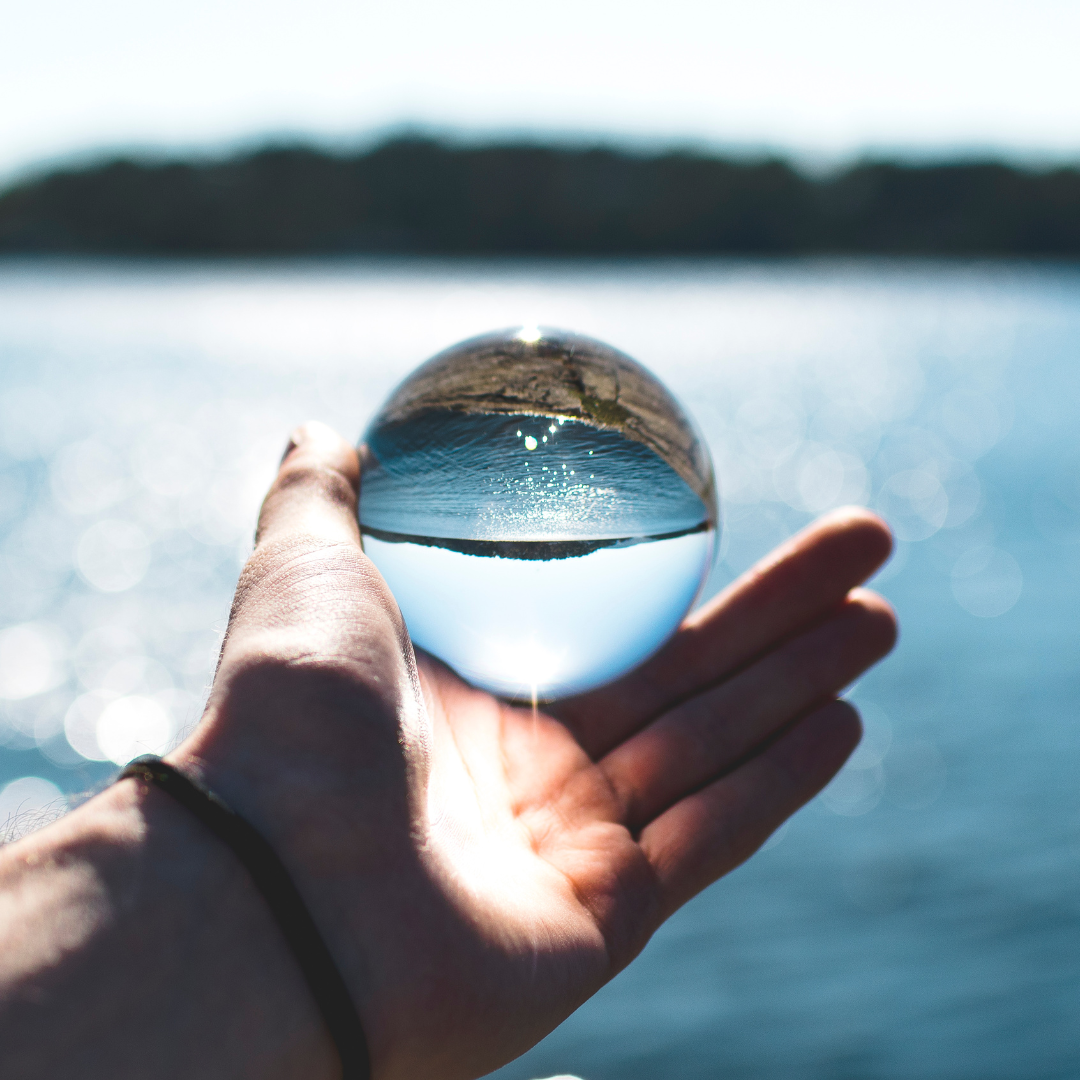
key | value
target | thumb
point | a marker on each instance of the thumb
(316, 489)
(308, 590)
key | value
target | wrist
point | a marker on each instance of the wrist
(333, 802)
(132, 937)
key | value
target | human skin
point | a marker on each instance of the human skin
(477, 869)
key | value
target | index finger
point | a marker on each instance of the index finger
(799, 584)
(308, 578)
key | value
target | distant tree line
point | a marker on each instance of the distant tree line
(423, 196)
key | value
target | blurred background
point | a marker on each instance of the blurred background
(844, 234)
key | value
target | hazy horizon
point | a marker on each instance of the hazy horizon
(808, 161)
(821, 85)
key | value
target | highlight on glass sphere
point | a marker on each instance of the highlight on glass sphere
(542, 509)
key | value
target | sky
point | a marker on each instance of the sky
(824, 80)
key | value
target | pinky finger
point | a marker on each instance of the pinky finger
(709, 833)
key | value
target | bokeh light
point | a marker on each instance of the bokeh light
(987, 581)
(133, 725)
(113, 555)
(32, 660)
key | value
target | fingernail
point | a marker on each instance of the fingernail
(312, 431)
(295, 439)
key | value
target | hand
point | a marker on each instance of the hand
(480, 869)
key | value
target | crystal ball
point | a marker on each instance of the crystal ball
(542, 508)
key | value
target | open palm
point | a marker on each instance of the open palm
(481, 868)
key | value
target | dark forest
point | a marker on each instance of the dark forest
(412, 195)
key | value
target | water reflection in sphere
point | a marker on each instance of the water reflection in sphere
(542, 508)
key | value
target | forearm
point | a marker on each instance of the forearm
(132, 943)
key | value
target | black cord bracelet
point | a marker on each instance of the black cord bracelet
(286, 905)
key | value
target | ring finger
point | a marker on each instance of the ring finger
(701, 739)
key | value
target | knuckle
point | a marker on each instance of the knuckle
(306, 561)
(302, 580)
(317, 691)
(317, 477)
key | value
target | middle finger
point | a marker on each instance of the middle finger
(710, 734)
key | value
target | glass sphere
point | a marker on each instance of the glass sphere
(542, 509)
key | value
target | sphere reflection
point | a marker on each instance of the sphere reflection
(542, 509)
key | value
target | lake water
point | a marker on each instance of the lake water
(920, 919)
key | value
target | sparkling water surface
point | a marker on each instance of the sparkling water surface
(921, 918)
(520, 478)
